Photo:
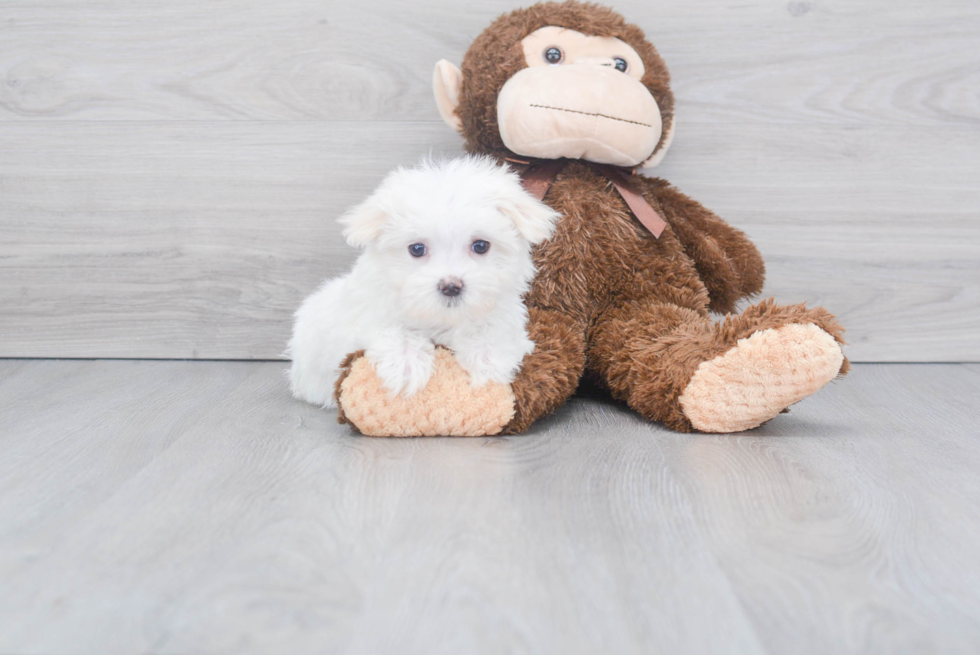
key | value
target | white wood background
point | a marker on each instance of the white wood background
(170, 171)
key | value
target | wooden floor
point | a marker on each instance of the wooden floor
(194, 507)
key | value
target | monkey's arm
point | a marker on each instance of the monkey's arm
(450, 406)
(551, 373)
(727, 261)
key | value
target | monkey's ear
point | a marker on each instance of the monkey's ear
(534, 220)
(658, 155)
(446, 83)
(363, 223)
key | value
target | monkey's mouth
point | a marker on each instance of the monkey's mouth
(590, 113)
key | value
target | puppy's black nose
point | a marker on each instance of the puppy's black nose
(450, 287)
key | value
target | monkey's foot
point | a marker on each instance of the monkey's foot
(447, 406)
(759, 377)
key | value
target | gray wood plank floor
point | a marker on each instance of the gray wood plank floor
(193, 507)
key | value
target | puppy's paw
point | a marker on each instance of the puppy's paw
(499, 364)
(403, 363)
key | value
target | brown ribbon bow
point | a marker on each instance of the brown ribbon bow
(538, 175)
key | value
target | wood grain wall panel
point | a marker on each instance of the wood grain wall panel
(171, 170)
(877, 61)
(198, 239)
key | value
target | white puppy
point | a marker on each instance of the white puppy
(446, 261)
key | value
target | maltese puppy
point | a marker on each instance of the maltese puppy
(447, 259)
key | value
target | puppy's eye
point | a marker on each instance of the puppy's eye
(620, 64)
(417, 249)
(553, 55)
(480, 246)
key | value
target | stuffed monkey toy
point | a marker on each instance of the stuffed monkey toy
(576, 99)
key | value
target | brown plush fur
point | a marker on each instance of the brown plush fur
(345, 370)
(640, 304)
(609, 300)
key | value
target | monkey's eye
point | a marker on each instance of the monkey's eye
(620, 64)
(416, 249)
(480, 247)
(553, 55)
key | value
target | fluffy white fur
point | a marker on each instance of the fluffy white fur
(390, 304)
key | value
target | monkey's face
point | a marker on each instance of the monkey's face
(560, 80)
(579, 97)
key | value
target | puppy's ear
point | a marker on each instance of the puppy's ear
(533, 219)
(363, 223)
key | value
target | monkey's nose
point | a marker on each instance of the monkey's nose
(450, 286)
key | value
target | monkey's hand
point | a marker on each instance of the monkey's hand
(447, 406)
(729, 264)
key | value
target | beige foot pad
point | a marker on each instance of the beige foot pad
(758, 378)
(447, 406)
